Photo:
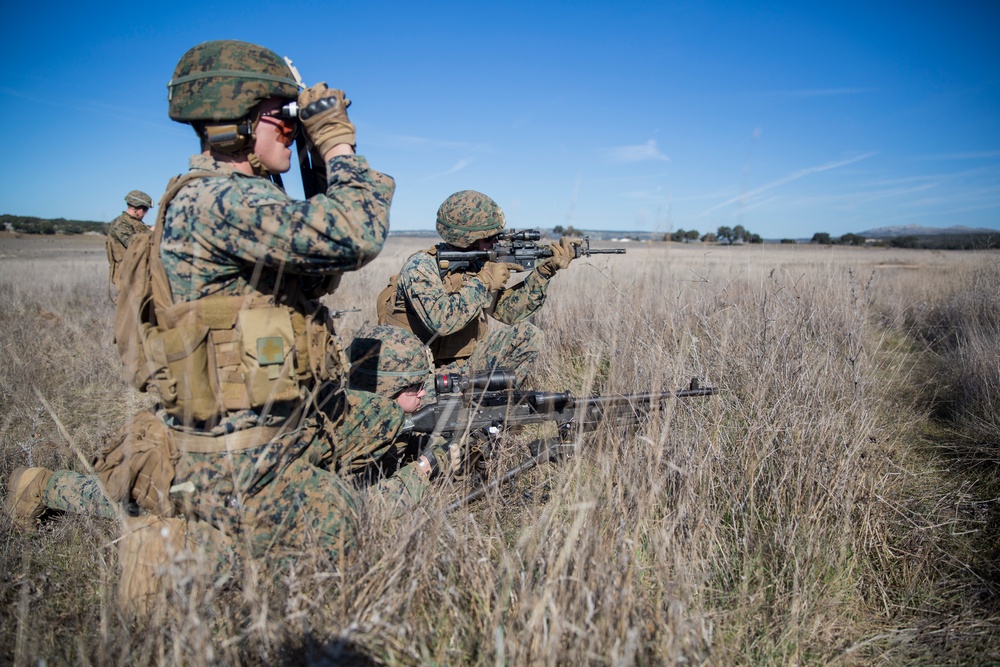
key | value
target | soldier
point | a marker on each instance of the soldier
(124, 227)
(393, 362)
(241, 353)
(385, 360)
(450, 310)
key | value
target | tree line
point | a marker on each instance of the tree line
(731, 235)
(924, 241)
(24, 224)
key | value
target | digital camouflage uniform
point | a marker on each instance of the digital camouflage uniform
(422, 289)
(450, 311)
(217, 232)
(123, 228)
(231, 244)
(69, 491)
(384, 360)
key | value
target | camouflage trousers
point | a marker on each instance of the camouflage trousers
(287, 494)
(514, 347)
(69, 491)
(295, 489)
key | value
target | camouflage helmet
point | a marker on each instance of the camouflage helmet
(224, 79)
(138, 198)
(387, 359)
(467, 216)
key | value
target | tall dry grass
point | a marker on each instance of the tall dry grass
(812, 513)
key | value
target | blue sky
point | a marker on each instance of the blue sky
(788, 118)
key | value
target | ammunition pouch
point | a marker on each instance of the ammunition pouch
(228, 353)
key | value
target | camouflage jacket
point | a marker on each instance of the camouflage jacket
(444, 312)
(219, 230)
(236, 233)
(123, 228)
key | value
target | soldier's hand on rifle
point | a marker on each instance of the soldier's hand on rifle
(563, 253)
(323, 112)
(449, 459)
(496, 274)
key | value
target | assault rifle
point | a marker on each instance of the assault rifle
(483, 406)
(515, 247)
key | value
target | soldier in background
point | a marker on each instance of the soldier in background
(124, 227)
(450, 310)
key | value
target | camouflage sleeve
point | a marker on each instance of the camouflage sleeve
(121, 231)
(519, 302)
(251, 220)
(439, 310)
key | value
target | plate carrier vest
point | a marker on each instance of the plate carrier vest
(218, 354)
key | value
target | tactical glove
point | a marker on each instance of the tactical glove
(496, 274)
(563, 253)
(454, 460)
(323, 112)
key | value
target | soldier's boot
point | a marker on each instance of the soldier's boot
(24, 496)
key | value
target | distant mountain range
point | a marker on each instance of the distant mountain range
(917, 230)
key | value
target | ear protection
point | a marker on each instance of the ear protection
(232, 138)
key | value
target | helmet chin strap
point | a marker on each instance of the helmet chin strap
(258, 167)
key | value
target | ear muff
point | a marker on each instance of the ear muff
(231, 138)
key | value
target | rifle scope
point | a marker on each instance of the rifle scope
(498, 380)
(523, 235)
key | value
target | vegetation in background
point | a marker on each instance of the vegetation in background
(28, 225)
(984, 241)
(836, 504)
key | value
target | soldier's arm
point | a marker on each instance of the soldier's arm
(520, 302)
(439, 310)
(341, 229)
(117, 231)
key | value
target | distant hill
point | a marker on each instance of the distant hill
(918, 230)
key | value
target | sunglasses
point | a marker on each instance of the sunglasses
(287, 127)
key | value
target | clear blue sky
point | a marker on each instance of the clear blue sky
(788, 118)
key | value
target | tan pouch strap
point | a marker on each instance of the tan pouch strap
(232, 442)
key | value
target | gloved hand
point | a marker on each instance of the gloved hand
(496, 274)
(455, 459)
(563, 253)
(323, 112)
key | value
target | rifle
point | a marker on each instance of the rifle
(483, 406)
(515, 247)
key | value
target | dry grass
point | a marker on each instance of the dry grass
(835, 505)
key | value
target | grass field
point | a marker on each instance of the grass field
(837, 503)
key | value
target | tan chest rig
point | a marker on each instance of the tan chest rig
(392, 309)
(220, 354)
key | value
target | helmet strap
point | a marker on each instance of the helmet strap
(258, 167)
